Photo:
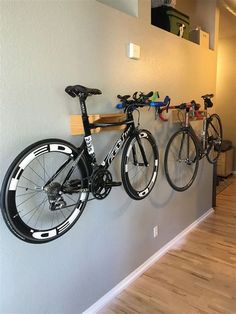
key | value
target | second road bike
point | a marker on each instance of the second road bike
(185, 148)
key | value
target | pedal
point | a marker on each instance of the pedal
(113, 184)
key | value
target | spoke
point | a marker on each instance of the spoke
(67, 208)
(57, 217)
(29, 193)
(30, 210)
(40, 213)
(69, 197)
(52, 220)
(35, 211)
(62, 214)
(31, 181)
(136, 174)
(25, 187)
(43, 167)
(137, 171)
(37, 174)
(132, 170)
(34, 194)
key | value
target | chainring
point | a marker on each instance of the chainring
(100, 183)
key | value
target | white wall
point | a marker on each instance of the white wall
(46, 45)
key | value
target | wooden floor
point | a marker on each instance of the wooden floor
(198, 277)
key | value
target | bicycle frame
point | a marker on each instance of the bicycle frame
(88, 148)
(202, 142)
(87, 145)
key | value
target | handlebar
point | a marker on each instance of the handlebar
(138, 99)
(192, 104)
(160, 107)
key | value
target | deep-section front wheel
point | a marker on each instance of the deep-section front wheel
(44, 191)
(139, 165)
(181, 160)
(214, 138)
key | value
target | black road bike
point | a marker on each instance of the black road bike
(47, 186)
(185, 148)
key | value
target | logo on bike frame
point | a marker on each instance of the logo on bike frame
(89, 144)
(115, 149)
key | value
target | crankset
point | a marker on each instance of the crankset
(101, 183)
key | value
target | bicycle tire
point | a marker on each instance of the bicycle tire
(22, 186)
(179, 180)
(214, 138)
(139, 187)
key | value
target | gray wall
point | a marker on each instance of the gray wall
(45, 46)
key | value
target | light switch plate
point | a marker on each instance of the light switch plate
(133, 51)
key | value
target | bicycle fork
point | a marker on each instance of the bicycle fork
(135, 160)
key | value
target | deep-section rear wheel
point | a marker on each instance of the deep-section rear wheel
(44, 191)
(181, 160)
(139, 165)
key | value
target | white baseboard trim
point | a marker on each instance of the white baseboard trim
(141, 269)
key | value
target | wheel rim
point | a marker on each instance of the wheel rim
(181, 161)
(30, 211)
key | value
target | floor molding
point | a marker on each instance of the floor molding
(141, 269)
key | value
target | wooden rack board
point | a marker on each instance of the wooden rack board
(176, 114)
(76, 124)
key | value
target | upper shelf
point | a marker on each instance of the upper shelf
(202, 15)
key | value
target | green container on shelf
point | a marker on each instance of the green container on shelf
(171, 20)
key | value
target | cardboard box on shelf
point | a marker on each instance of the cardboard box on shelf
(200, 37)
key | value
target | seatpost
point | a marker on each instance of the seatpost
(82, 99)
(187, 117)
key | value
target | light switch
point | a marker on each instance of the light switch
(133, 51)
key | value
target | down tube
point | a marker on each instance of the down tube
(117, 147)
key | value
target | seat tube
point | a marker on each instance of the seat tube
(204, 135)
(85, 119)
(187, 117)
(87, 130)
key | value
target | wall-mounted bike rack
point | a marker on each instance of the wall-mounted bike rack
(76, 124)
(193, 116)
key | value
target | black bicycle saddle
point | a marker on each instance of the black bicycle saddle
(76, 90)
